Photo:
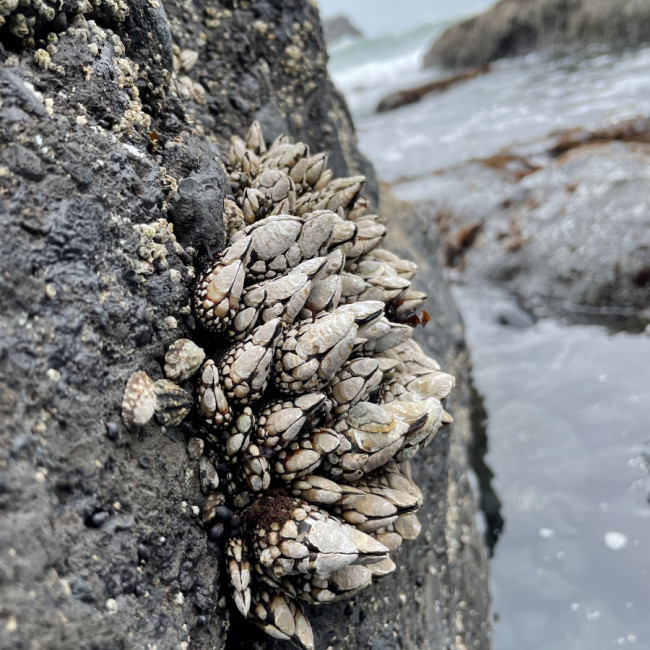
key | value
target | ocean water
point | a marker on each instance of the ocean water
(568, 407)
(518, 101)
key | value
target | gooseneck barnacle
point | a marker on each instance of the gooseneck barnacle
(313, 397)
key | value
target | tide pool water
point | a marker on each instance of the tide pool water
(569, 443)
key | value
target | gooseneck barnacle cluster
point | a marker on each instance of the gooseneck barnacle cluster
(315, 397)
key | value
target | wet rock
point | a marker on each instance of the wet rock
(513, 316)
(566, 227)
(514, 27)
(412, 95)
(197, 207)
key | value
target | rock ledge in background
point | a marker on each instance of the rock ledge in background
(562, 222)
(337, 27)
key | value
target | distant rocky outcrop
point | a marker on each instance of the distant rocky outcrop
(514, 27)
(412, 95)
(337, 27)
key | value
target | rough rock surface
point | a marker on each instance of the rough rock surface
(563, 223)
(514, 27)
(112, 120)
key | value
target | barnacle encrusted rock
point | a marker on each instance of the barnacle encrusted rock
(313, 397)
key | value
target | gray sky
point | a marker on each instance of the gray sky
(375, 17)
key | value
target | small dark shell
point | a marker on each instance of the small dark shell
(173, 403)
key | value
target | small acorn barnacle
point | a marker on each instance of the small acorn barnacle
(313, 398)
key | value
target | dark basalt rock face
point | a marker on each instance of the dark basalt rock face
(112, 120)
(515, 27)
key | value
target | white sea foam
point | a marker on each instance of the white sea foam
(615, 540)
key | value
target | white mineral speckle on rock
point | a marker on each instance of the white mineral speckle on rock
(546, 533)
(293, 52)
(53, 374)
(134, 151)
(111, 605)
(42, 59)
(12, 624)
(188, 59)
(179, 599)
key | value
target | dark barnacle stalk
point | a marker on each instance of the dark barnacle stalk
(316, 398)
